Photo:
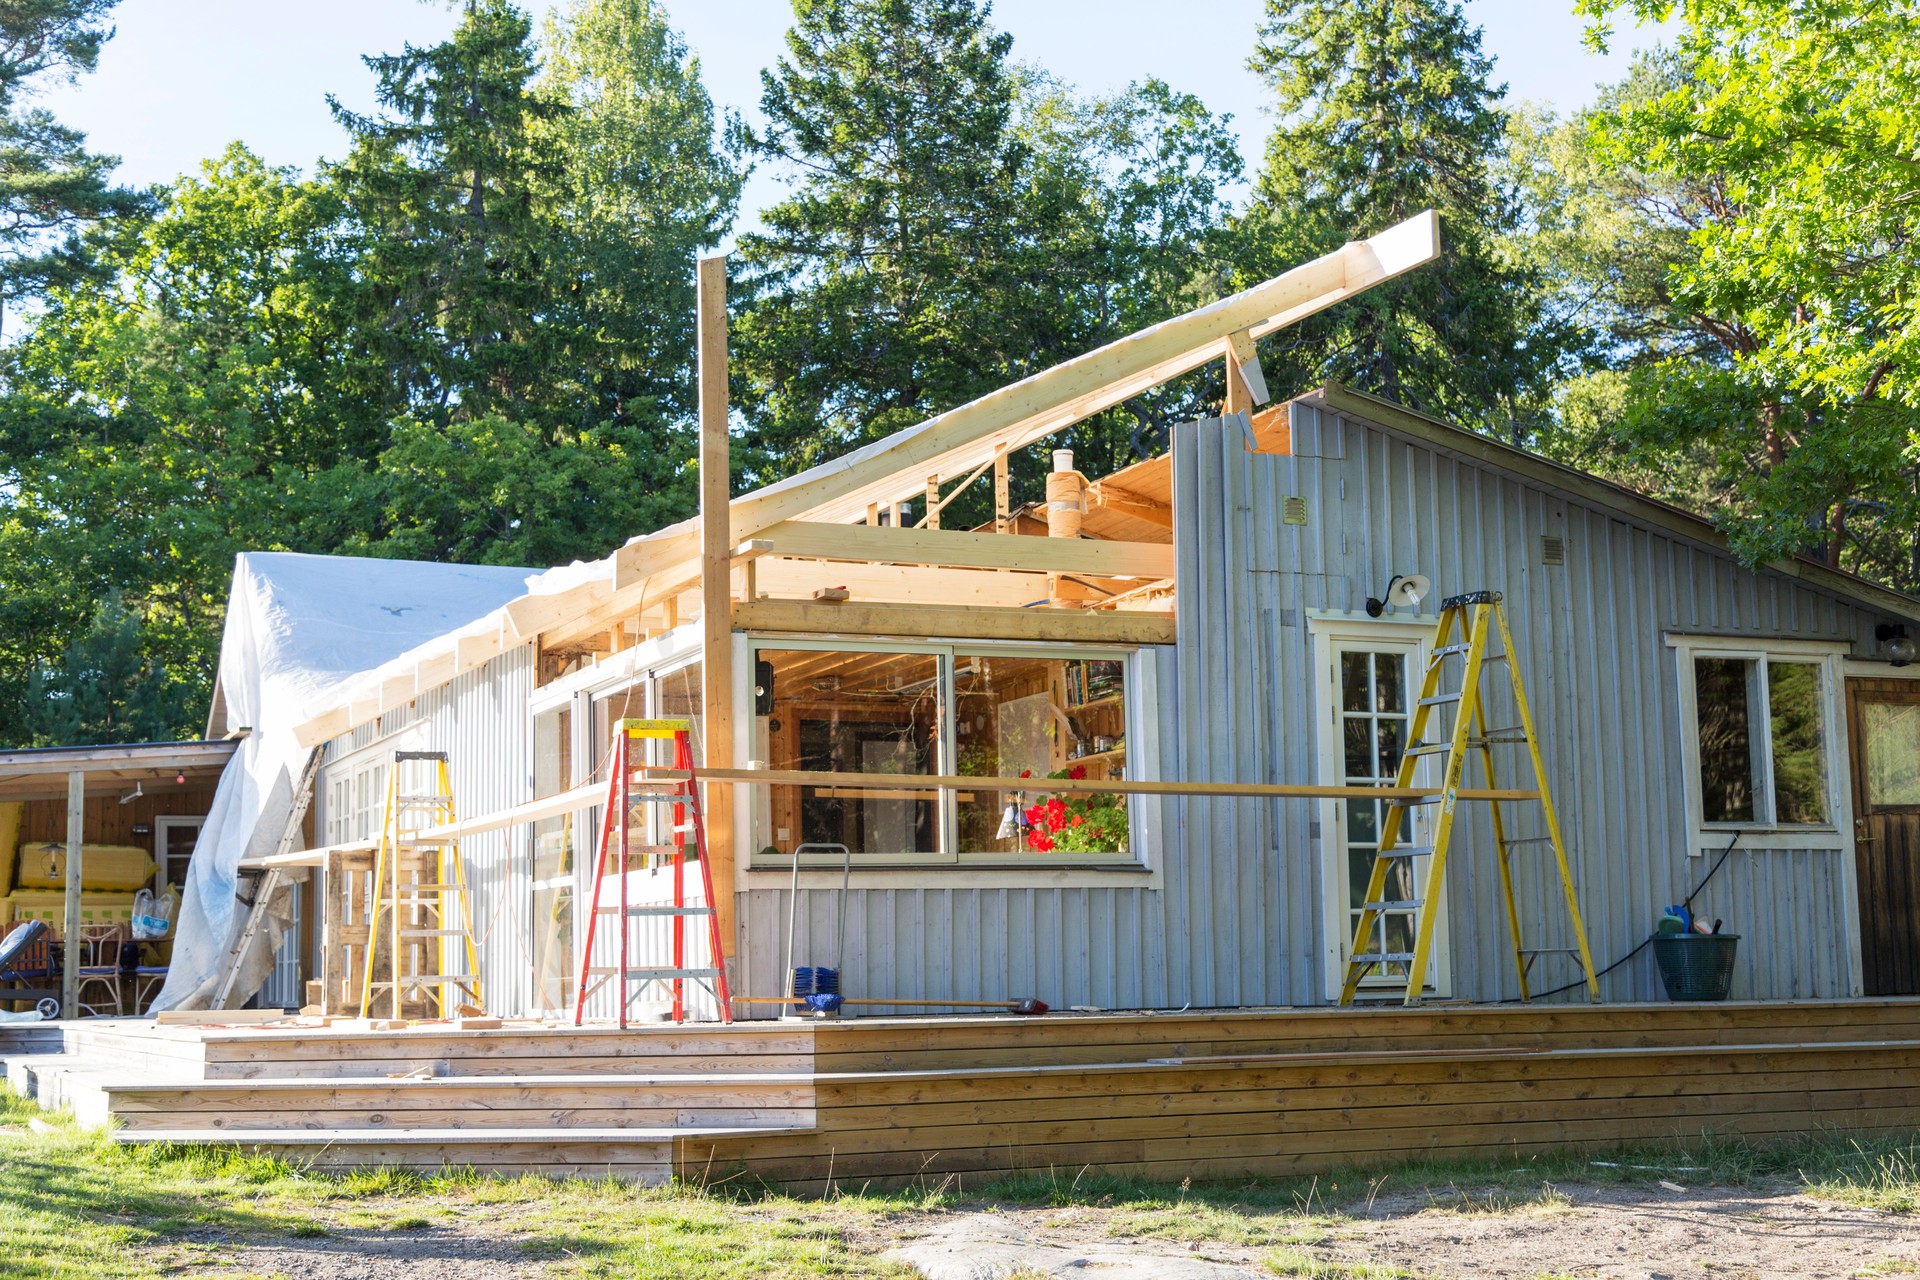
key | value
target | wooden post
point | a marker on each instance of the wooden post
(716, 582)
(933, 503)
(1002, 494)
(70, 934)
(1239, 395)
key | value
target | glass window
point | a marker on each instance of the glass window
(1796, 722)
(1018, 716)
(981, 713)
(1725, 692)
(1890, 737)
(1761, 726)
(1374, 717)
(865, 712)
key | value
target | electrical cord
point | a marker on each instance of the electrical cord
(1686, 902)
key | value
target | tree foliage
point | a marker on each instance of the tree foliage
(1385, 109)
(956, 222)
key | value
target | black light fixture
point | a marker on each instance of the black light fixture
(1895, 644)
(1403, 590)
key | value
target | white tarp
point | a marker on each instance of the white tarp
(299, 627)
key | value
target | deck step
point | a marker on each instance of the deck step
(487, 1103)
(489, 1138)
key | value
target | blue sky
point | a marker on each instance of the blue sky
(185, 77)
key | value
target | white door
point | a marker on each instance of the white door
(1371, 676)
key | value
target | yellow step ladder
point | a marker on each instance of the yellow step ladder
(420, 899)
(1464, 630)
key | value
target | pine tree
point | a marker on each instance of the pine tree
(898, 114)
(51, 186)
(959, 221)
(446, 185)
(1385, 110)
(105, 689)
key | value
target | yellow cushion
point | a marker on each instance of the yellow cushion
(51, 906)
(121, 867)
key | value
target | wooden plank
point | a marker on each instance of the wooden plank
(716, 596)
(70, 922)
(897, 584)
(1076, 786)
(955, 549)
(939, 621)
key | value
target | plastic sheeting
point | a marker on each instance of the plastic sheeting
(299, 629)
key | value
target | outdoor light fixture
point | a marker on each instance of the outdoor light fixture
(138, 791)
(1403, 590)
(1895, 643)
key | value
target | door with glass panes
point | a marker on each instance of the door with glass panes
(1372, 680)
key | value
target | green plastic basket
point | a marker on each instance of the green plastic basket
(1696, 966)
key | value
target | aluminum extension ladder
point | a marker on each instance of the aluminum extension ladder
(623, 794)
(1471, 618)
(419, 890)
(269, 882)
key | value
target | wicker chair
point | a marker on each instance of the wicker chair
(102, 947)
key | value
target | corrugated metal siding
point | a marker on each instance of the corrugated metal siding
(480, 720)
(1601, 678)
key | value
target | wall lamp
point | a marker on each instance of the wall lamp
(1404, 590)
(1895, 644)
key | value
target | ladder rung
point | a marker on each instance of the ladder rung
(659, 911)
(1429, 748)
(437, 802)
(1529, 840)
(1410, 851)
(428, 980)
(1401, 803)
(659, 850)
(433, 933)
(655, 974)
(1439, 698)
(1409, 904)
(1549, 951)
(1448, 650)
(1381, 957)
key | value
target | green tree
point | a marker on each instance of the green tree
(648, 176)
(196, 393)
(446, 186)
(50, 184)
(105, 688)
(1385, 109)
(957, 222)
(1803, 121)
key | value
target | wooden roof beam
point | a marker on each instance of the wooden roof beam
(954, 549)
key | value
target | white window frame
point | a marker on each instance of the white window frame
(1830, 659)
(1330, 633)
(947, 856)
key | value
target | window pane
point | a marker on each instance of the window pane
(1391, 736)
(1356, 694)
(1040, 716)
(1724, 691)
(1890, 732)
(1390, 684)
(832, 712)
(1799, 742)
(1359, 750)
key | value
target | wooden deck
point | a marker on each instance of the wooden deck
(893, 1100)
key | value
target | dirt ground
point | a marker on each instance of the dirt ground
(1571, 1232)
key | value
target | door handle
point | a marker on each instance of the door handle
(1862, 831)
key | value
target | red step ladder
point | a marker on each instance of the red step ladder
(623, 794)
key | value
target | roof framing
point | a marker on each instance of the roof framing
(663, 565)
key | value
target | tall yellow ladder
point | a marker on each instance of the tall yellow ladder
(1465, 627)
(420, 898)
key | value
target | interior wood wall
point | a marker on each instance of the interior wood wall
(110, 822)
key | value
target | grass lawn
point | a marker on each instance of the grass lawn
(72, 1204)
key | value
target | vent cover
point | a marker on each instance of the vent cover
(1293, 510)
(1553, 549)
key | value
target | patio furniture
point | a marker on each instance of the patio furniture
(102, 958)
(27, 971)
